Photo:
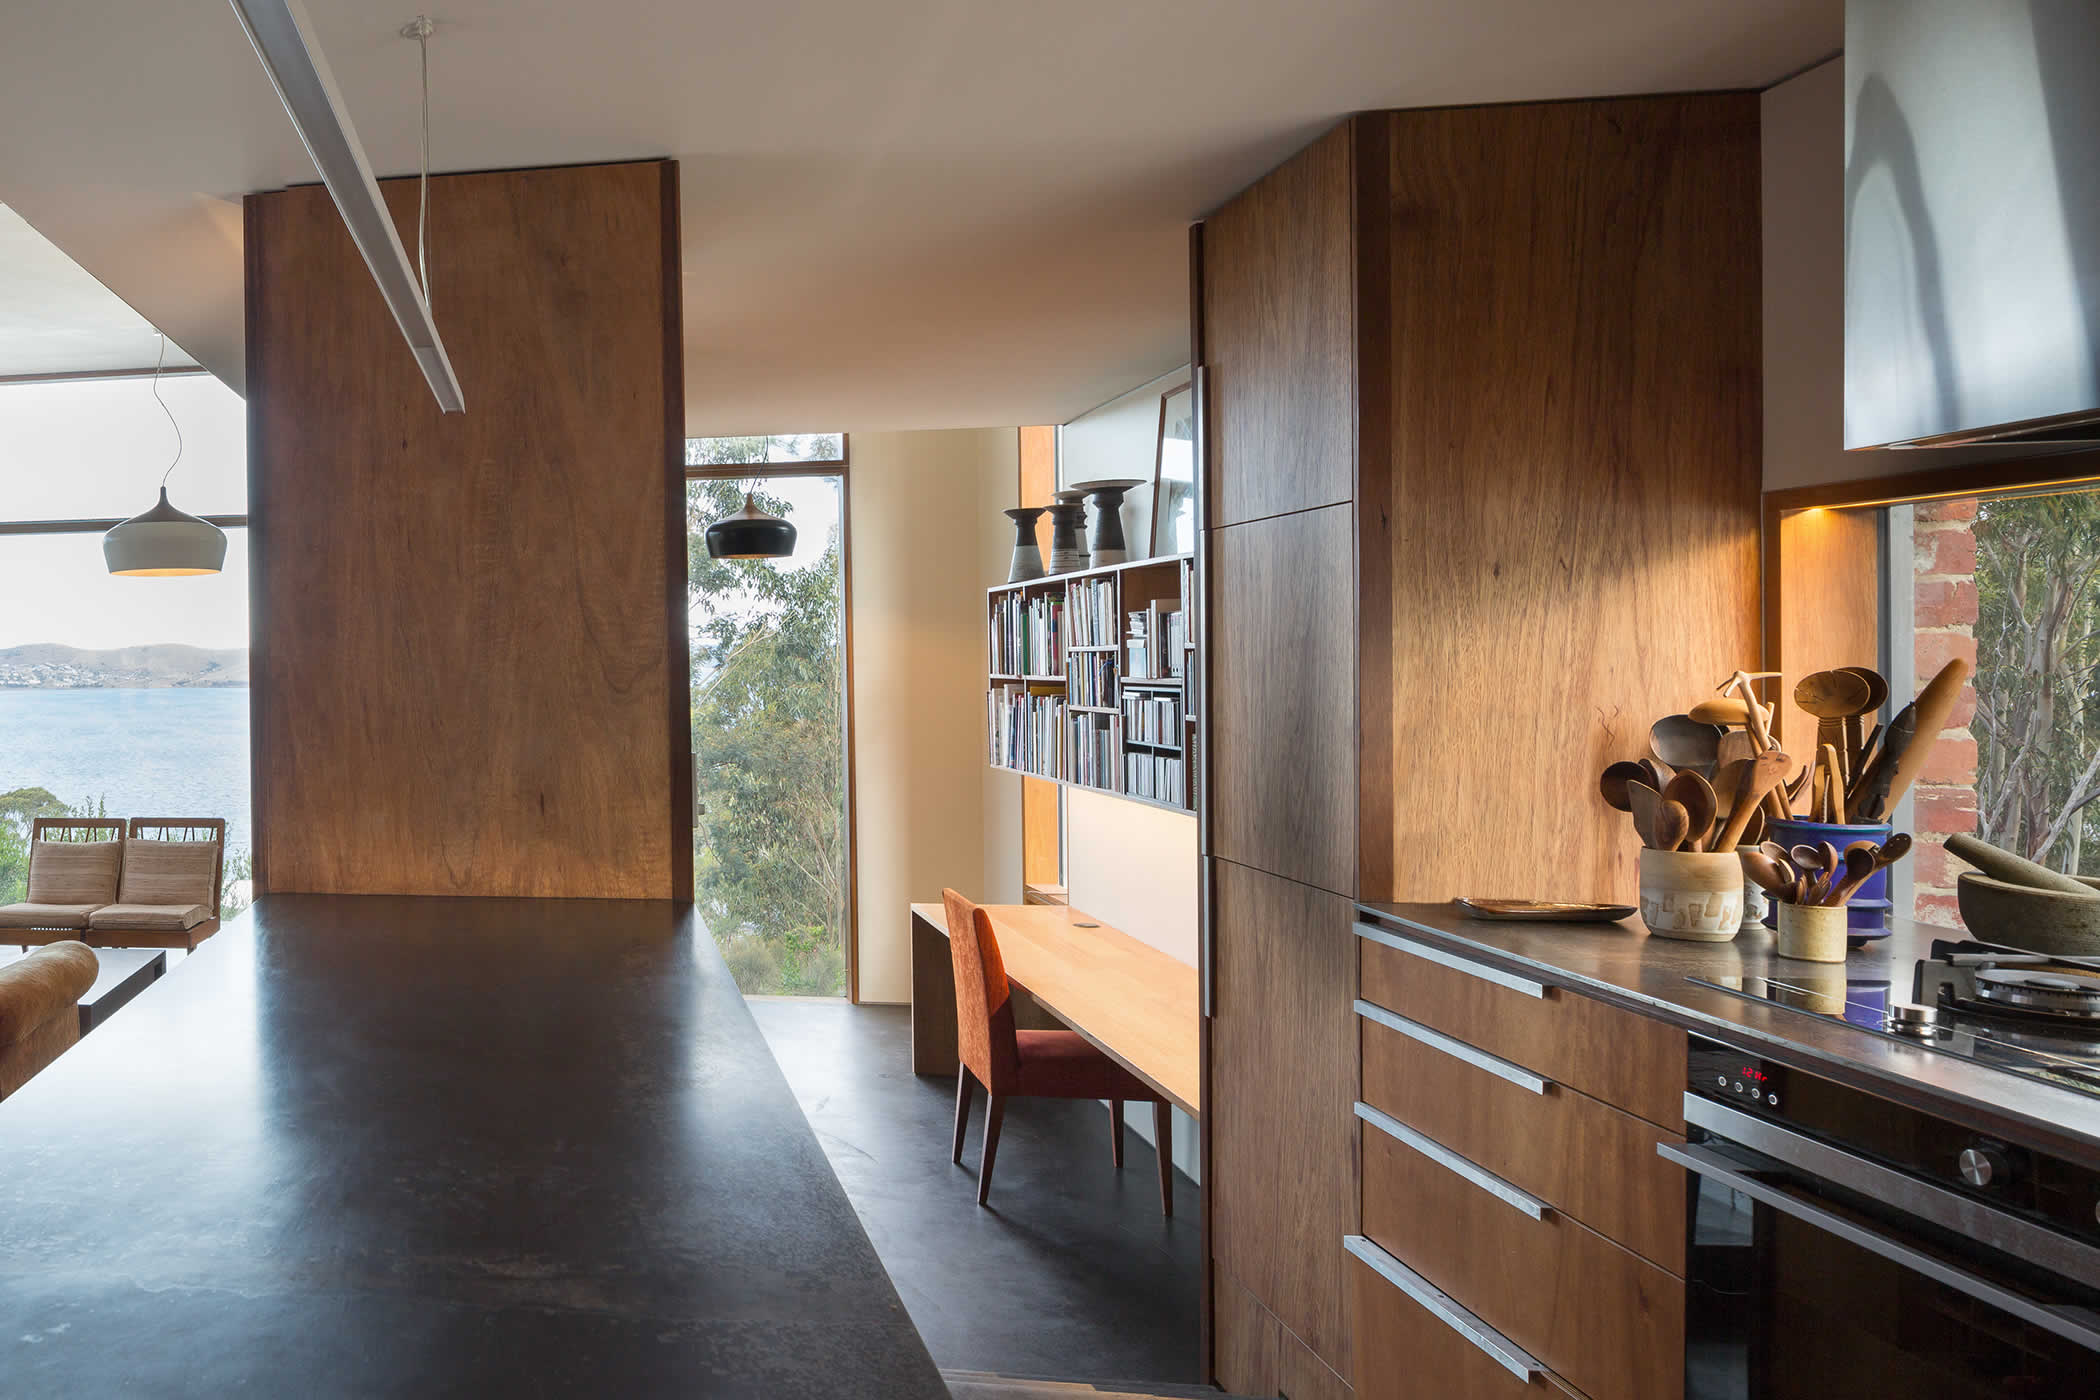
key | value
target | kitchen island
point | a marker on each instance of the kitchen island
(413, 1146)
(1622, 964)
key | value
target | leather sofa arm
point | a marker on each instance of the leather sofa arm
(47, 983)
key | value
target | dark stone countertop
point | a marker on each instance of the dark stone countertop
(1623, 964)
(387, 1146)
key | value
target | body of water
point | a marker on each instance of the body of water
(149, 753)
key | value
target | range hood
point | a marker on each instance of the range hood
(1972, 222)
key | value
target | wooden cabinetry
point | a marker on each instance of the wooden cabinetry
(1482, 474)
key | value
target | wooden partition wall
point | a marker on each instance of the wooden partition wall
(1484, 469)
(470, 672)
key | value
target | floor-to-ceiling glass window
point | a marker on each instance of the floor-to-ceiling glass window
(124, 697)
(772, 858)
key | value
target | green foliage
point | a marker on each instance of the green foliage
(234, 895)
(18, 809)
(770, 843)
(2037, 722)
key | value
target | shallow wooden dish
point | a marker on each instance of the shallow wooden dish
(1532, 911)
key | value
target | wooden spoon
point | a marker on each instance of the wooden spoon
(1752, 781)
(1855, 725)
(1683, 742)
(1834, 784)
(1878, 858)
(1696, 796)
(1611, 786)
(1857, 868)
(1672, 825)
(1659, 773)
(1832, 697)
(1869, 797)
(1647, 813)
(1774, 876)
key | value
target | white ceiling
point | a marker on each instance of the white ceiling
(918, 213)
(53, 316)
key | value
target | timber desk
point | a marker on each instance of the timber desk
(1129, 1000)
(376, 1146)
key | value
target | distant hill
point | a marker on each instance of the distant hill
(53, 666)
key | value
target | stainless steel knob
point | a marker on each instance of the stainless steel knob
(1980, 1166)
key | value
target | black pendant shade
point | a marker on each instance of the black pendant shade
(750, 534)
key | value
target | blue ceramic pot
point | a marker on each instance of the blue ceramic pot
(1868, 910)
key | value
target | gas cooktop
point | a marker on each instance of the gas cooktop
(2019, 1012)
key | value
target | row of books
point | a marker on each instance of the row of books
(1152, 717)
(1093, 748)
(1028, 635)
(1028, 730)
(1155, 642)
(1090, 678)
(1093, 612)
(1158, 776)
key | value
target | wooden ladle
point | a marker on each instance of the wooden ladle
(1696, 795)
(1856, 725)
(1612, 783)
(1776, 877)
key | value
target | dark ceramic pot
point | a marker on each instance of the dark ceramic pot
(1028, 555)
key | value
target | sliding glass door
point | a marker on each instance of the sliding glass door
(772, 858)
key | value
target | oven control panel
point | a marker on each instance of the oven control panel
(1735, 1078)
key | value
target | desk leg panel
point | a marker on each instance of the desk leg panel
(933, 1045)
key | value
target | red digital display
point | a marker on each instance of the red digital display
(1753, 1074)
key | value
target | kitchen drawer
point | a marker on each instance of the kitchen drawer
(1576, 1153)
(1627, 1060)
(1432, 1349)
(1597, 1314)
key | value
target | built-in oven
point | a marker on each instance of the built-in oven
(1845, 1246)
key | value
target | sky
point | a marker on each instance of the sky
(95, 449)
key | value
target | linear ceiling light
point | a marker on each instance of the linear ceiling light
(284, 41)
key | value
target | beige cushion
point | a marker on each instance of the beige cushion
(73, 872)
(172, 917)
(168, 872)
(46, 915)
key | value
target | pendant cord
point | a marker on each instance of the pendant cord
(157, 363)
(423, 188)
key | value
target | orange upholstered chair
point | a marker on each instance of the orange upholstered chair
(1037, 1064)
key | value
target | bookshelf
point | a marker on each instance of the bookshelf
(1088, 680)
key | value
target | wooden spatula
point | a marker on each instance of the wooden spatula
(1753, 780)
(1672, 825)
(1933, 705)
(1647, 813)
(1832, 697)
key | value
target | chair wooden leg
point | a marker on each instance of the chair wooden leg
(1115, 1132)
(964, 1086)
(1163, 1135)
(994, 1111)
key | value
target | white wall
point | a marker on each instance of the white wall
(1134, 867)
(921, 543)
(1803, 122)
(1120, 439)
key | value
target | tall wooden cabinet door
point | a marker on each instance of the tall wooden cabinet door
(1283, 697)
(1279, 337)
(1283, 1177)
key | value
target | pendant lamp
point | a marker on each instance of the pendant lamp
(750, 534)
(165, 542)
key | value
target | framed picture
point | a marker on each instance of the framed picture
(1174, 474)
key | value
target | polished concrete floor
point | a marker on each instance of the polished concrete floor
(1070, 1272)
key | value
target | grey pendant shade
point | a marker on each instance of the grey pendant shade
(164, 543)
(750, 534)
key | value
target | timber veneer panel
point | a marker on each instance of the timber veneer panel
(1257, 1355)
(1624, 1059)
(1404, 1352)
(1283, 1047)
(1566, 525)
(1599, 1315)
(1577, 1154)
(1279, 327)
(1828, 587)
(1282, 719)
(470, 664)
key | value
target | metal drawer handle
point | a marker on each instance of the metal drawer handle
(1505, 1353)
(1392, 940)
(2073, 1324)
(1444, 1157)
(1456, 1049)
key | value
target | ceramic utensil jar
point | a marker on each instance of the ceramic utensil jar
(1692, 895)
(1812, 932)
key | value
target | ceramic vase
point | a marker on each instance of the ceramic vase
(1755, 902)
(1028, 555)
(1067, 528)
(1692, 895)
(1105, 542)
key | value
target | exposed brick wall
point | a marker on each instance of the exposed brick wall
(1943, 543)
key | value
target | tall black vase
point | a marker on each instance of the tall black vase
(1067, 523)
(1028, 555)
(1105, 542)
